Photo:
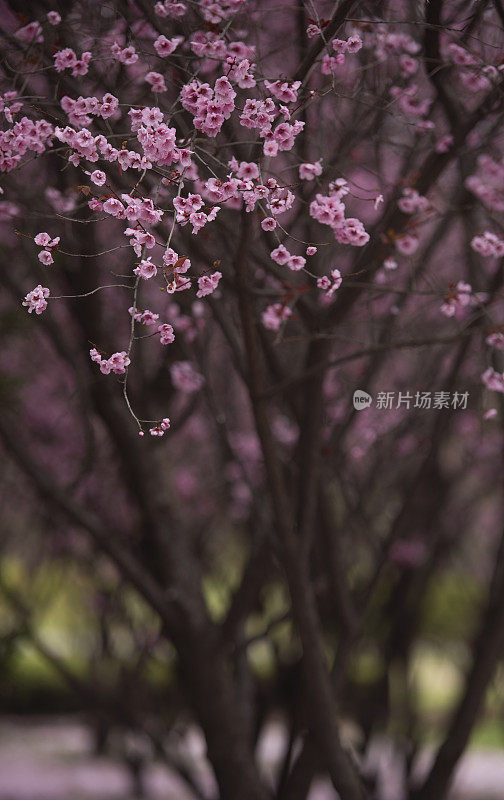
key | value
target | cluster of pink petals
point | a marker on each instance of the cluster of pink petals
(273, 316)
(407, 244)
(488, 244)
(126, 55)
(457, 298)
(330, 210)
(218, 10)
(158, 141)
(10, 105)
(156, 81)
(410, 100)
(493, 380)
(170, 8)
(207, 284)
(24, 136)
(189, 209)
(165, 47)
(487, 183)
(36, 299)
(310, 170)
(44, 240)
(166, 333)
(159, 430)
(145, 317)
(146, 269)
(351, 45)
(66, 59)
(412, 202)
(496, 339)
(117, 362)
(210, 107)
(185, 377)
(31, 33)
(282, 90)
(282, 257)
(332, 284)
(139, 238)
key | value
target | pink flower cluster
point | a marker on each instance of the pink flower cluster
(488, 244)
(218, 10)
(166, 333)
(36, 299)
(139, 238)
(157, 139)
(66, 59)
(146, 269)
(282, 257)
(145, 317)
(457, 298)
(310, 170)
(126, 55)
(44, 240)
(493, 380)
(31, 33)
(488, 182)
(210, 107)
(207, 284)
(170, 8)
(91, 147)
(261, 114)
(410, 100)
(9, 105)
(81, 111)
(496, 339)
(159, 430)
(282, 90)
(188, 209)
(351, 45)
(273, 316)
(332, 284)
(117, 362)
(24, 136)
(165, 47)
(185, 377)
(330, 210)
(411, 202)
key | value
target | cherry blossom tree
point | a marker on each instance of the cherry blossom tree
(220, 220)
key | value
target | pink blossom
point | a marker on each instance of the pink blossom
(296, 262)
(156, 80)
(45, 258)
(407, 244)
(274, 315)
(166, 333)
(493, 380)
(458, 297)
(185, 377)
(496, 339)
(308, 171)
(53, 18)
(146, 269)
(98, 177)
(268, 224)
(281, 255)
(42, 239)
(36, 299)
(65, 59)
(208, 284)
(165, 47)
